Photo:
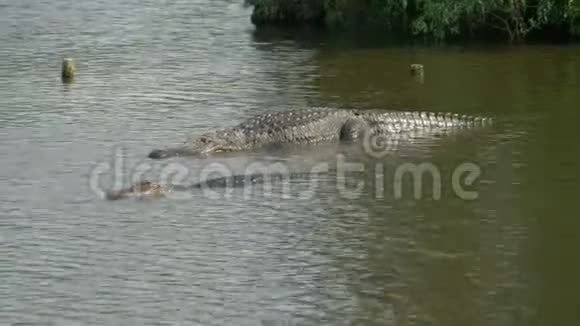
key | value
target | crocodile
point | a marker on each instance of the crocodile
(314, 125)
(152, 189)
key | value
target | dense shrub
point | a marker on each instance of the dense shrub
(287, 12)
(437, 19)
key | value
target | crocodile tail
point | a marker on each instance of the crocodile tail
(403, 121)
(442, 120)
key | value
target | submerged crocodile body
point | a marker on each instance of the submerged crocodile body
(152, 189)
(314, 125)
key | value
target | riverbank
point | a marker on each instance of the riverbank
(514, 21)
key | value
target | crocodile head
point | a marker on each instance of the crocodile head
(209, 143)
(143, 188)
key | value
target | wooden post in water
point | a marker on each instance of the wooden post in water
(68, 70)
(418, 72)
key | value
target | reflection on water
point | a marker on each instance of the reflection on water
(151, 74)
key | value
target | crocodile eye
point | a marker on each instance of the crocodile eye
(204, 140)
(141, 186)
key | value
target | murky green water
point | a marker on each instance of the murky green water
(152, 73)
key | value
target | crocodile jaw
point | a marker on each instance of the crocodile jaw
(207, 144)
(139, 190)
(182, 151)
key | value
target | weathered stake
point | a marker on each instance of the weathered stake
(417, 72)
(416, 69)
(68, 69)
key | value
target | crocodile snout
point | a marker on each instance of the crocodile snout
(184, 151)
(158, 154)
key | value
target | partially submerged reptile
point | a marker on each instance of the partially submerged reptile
(314, 125)
(151, 189)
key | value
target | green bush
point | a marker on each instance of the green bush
(287, 12)
(436, 19)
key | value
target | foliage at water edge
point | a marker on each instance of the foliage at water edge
(514, 20)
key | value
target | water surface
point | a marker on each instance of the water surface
(153, 73)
